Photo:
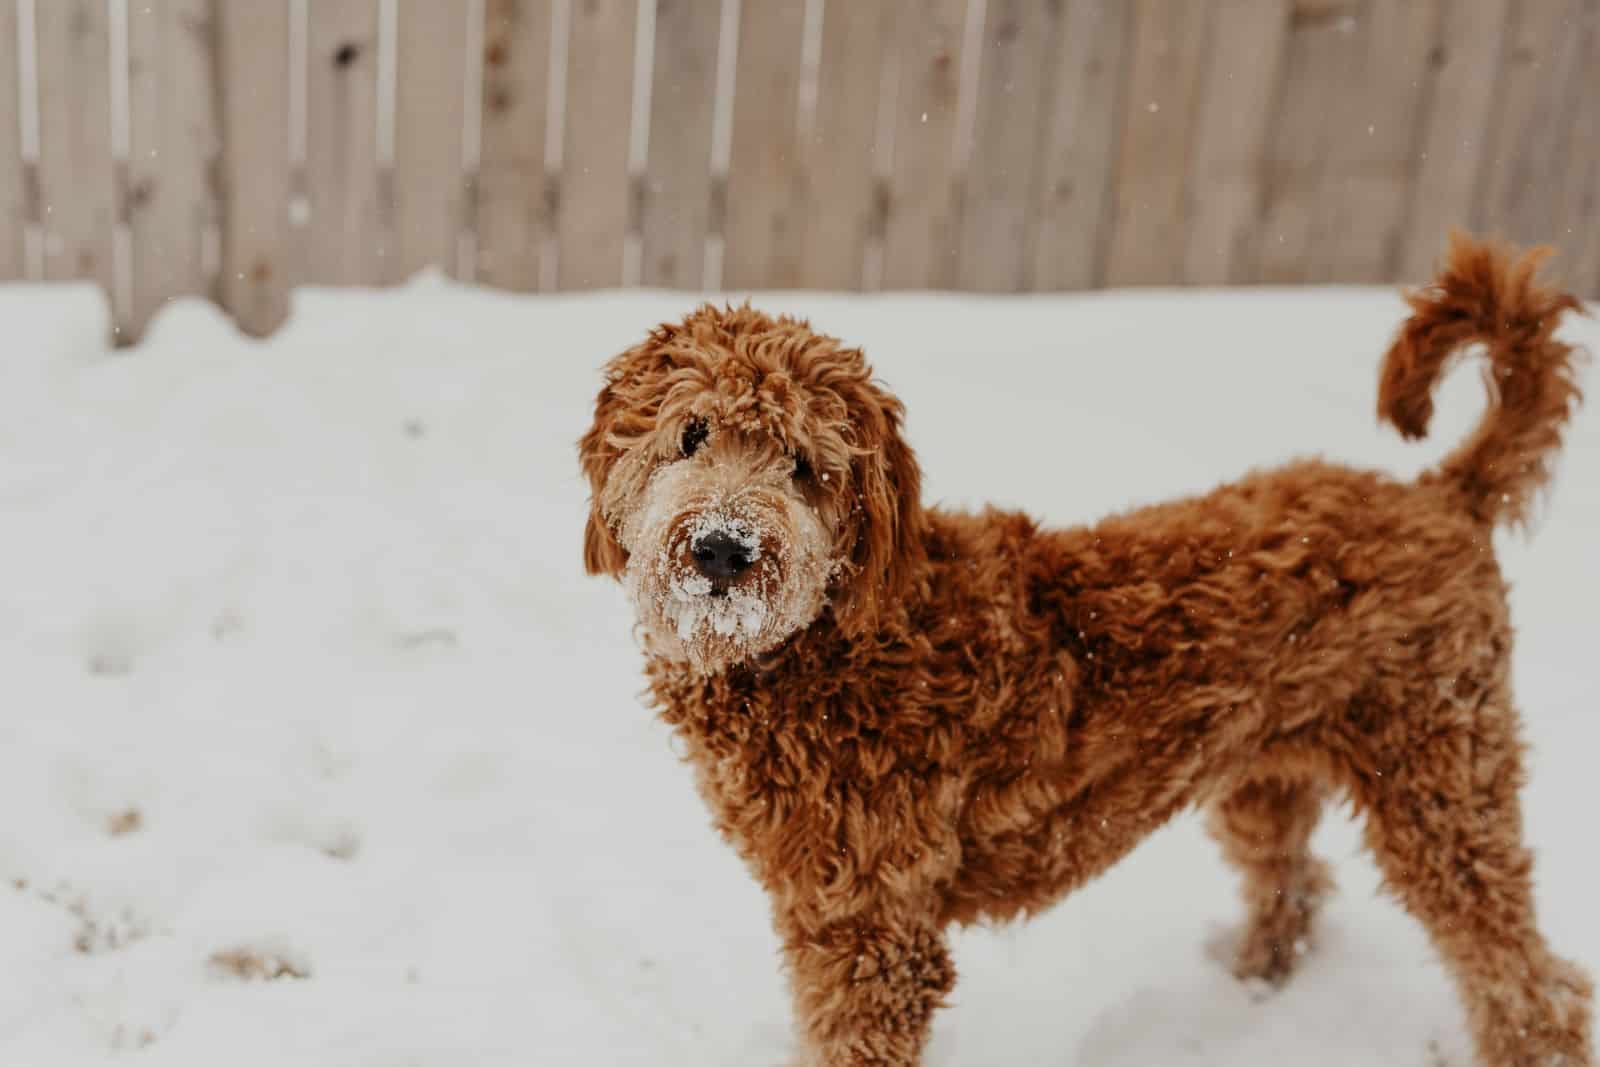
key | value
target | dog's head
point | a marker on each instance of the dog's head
(746, 474)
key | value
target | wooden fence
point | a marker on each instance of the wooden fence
(233, 148)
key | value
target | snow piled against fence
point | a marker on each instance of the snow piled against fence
(317, 747)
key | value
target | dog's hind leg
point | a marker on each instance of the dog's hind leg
(1444, 823)
(1264, 827)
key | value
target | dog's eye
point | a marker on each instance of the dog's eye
(802, 469)
(694, 435)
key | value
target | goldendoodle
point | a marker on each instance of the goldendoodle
(903, 717)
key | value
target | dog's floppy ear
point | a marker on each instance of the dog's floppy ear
(888, 524)
(598, 452)
(602, 552)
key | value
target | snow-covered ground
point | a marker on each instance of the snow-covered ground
(300, 677)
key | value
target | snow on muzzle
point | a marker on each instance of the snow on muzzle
(719, 573)
(721, 580)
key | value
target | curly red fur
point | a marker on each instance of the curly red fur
(1487, 293)
(987, 713)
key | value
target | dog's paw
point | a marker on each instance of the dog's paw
(1259, 955)
(1263, 957)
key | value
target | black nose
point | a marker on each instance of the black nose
(719, 556)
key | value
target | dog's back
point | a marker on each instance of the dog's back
(1253, 628)
(1315, 630)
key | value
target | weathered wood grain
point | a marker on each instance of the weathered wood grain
(429, 115)
(342, 241)
(675, 204)
(919, 240)
(1073, 190)
(836, 191)
(77, 176)
(1236, 101)
(172, 148)
(514, 191)
(1580, 201)
(592, 215)
(1171, 41)
(761, 230)
(13, 177)
(1113, 142)
(253, 78)
(1542, 91)
(1375, 129)
(997, 192)
(1460, 76)
(1324, 50)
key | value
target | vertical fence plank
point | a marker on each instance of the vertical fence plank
(429, 114)
(592, 215)
(13, 182)
(836, 188)
(1580, 200)
(342, 240)
(1460, 78)
(760, 230)
(77, 185)
(253, 66)
(919, 243)
(1323, 51)
(172, 145)
(1372, 153)
(512, 213)
(1077, 169)
(1538, 98)
(1017, 36)
(1235, 107)
(675, 207)
(1578, 193)
(1171, 39)
(1576, 202)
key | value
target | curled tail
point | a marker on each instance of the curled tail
(1487, 292)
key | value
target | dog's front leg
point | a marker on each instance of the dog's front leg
(865, 989)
